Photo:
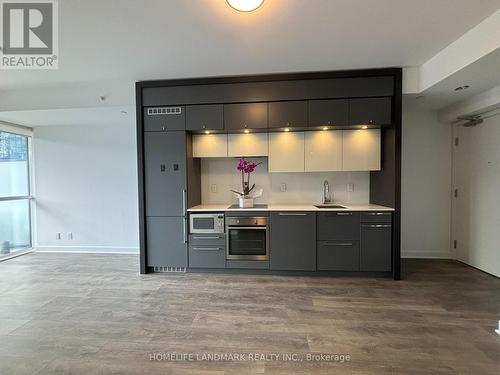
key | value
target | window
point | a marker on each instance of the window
(15, 198)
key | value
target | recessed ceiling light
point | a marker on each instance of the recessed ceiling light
(245, 5)
(460, 88)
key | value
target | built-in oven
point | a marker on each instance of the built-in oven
(206, 223)
(247, 238)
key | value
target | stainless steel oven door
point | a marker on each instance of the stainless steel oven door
(247, 243)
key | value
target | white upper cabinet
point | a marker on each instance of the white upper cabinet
(361, 150)
(323, 151)
(286, 152)
(251, 144)
(210, 145)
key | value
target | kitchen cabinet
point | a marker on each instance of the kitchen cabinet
(323, 151)
(328, 112)
(361, 150)
(165, 173)
(245, 116)
(288, 114)
(377, 111)
(157, 119)
(286, 152)
(166, 242)
(207, 251)
(338, 226)
(293, 241)
(204, 117)
(338, 256)
(376, 247)
(251, 144)
(209, 145)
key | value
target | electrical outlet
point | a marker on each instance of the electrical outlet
(70, 235)
(350, 187)
(283, 187)
(213, 188)
(58, 235)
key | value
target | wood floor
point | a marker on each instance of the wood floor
(94, 314)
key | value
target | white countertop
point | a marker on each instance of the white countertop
(289, 207)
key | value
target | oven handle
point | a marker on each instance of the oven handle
(207, 248)
(254, 227)
(292, 214)
(194, 237)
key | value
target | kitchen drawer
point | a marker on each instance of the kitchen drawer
(338, 256)
(207, 239)
(338, 226)
(376, 217)
(207, 256)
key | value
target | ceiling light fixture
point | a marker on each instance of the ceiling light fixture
(245, 5)
(460, 88)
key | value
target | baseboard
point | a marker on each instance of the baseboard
(88, 249)
(427, 254)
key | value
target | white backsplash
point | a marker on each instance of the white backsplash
(301, 187)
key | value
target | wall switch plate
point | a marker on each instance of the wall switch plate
(70, 235)
(350, 187)
(58, 235)
(213, 188)
(282, 187)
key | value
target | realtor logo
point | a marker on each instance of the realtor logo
(29, 34)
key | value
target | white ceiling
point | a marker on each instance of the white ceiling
(127, 40)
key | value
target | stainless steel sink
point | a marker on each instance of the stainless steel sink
(330, 206)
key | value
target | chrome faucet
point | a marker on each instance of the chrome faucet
(326, 193)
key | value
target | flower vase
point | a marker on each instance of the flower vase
(245, 202)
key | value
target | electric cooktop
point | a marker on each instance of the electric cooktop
(246, 208)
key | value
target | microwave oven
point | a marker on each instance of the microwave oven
(206, 223)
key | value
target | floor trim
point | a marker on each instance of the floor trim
(88, 249)
(17, 254)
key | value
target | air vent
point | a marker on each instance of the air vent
(169, 269)
(164, 111)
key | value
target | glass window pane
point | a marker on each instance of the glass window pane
(14, 157)
(14, 226)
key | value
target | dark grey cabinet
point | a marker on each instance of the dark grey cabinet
(157, 119)
(238, 117)
(288, 114)
(165, 173)
(332, 112)
(207, 250)
(338, 226)
(370, 111)
(376, 247)
(376, 217)
(205, 117)
(166, 246)
(338, 256)
(293, 241)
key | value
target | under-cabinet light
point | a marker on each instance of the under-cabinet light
(325, 128)
(246, 131)
(287, 129)
(364, 127)
(207, 132)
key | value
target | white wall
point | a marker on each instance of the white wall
(301, 187)
(86, 183)
(426, 186)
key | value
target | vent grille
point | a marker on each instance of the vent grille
(169, 269)
(164, 111)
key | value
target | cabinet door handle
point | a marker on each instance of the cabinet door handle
(206, 237)
(184, 201)
(378, 213)
(207, 248)
(184, 229)
(377, 226)
(344, 213)
(292, 214)
(338, 243)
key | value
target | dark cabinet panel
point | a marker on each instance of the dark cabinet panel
(328, 112)
(207, 239)
(376, 247)
(338, 226)
(376, 111)
(166, 245)
(245, 116)
(376, 217)
(288, 114)
(165, 173)
(204, 117)
(164, 119)
(207, 256)
(338, 256)
(293, 241)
